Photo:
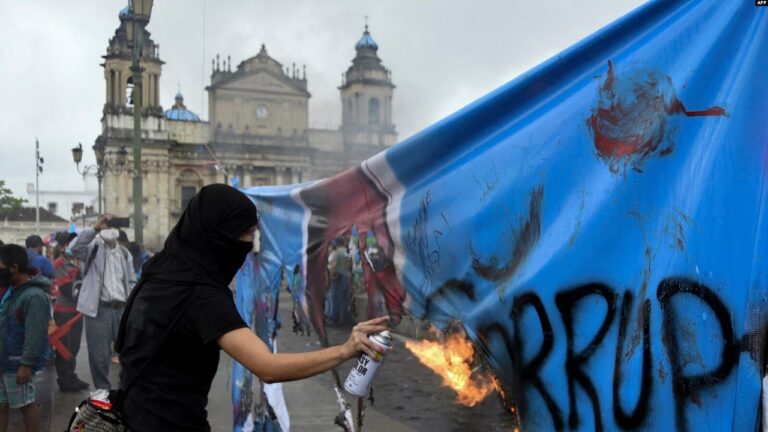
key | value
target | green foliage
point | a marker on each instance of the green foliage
(7, 200)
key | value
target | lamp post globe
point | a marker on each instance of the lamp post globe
(122, 157)
(141, 9)
(77, 153)
(100, 152)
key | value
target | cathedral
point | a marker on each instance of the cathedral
(257, 133)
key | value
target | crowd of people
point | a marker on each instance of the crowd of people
(347, 257)
(152, 312)
(50, 290)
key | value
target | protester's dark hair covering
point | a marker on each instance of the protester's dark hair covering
(122, 237)
(135, 251)
(11, 254)
(64, 237)
(204, 246)
(34, 241)
(202, 249)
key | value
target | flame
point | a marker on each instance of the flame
(451, 360)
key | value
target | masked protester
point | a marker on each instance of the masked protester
(24, 315)
(66, 274)
(182, 314)
(108, 279)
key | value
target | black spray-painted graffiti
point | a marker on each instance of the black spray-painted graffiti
(686, 387)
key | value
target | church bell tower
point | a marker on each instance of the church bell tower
(366, 99)
(117, 69)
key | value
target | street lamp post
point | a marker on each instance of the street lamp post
(140, 10)
(77, 156)
(38, 171)
(103, 165)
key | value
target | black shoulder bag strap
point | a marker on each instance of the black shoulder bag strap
(90, 260)
(121, 394)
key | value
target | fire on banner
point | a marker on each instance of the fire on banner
(598, 226)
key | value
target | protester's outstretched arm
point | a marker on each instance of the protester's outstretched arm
(82, 247)
(131, 273)
(250, 351)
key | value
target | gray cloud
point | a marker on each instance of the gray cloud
(443, 54)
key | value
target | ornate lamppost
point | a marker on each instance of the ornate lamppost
(104, 164)
(141, 11)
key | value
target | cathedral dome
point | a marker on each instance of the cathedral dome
(366, 41)
(125, 12)
(180, 112)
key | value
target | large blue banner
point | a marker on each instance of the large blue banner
(597, 226)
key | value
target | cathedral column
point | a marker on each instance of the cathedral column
(145, 90)
(279, 175)
(148, 102)
(110, 76)
(120, 93)
(157, 90)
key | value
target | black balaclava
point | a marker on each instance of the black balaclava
(204, 246)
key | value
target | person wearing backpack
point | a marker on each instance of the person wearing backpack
(67, 278)
(108, 279)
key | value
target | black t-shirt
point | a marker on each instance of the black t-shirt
(172, 392)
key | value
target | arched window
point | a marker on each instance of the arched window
(373, 111)
(188, 183)
(187, 192)
(349, 110)
(129, 91)
(112, 87)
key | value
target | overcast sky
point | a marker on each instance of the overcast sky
(443, 54)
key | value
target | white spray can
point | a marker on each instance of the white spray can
(360, 378)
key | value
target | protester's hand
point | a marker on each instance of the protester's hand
(101, 222)
(358, 341)
(24, 374)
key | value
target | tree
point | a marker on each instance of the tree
(7, 200)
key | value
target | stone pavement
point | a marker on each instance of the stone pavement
(310, 403)
(408, 397)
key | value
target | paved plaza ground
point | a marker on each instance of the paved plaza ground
(408, 397)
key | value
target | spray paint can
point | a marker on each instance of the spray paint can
(362, 374)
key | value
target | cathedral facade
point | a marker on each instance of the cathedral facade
(257, 134)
